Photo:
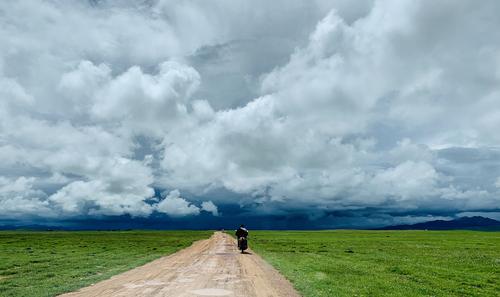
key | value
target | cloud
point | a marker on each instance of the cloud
(116, 187)
(138, 102)
(210, 207)
(388, 107)
(341, 124)
(19, 199)
(176, 206)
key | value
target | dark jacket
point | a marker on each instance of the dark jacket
(241, 232)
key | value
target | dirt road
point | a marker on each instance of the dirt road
(212, 267)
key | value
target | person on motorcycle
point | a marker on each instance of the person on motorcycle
(242, 232)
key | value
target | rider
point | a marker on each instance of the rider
(241, 232)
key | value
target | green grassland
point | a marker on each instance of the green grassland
(385, 263)
(48, 263)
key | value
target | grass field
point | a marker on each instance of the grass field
(47, 263)
(385, 263)
(319, 263)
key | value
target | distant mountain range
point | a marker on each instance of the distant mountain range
(464, 223)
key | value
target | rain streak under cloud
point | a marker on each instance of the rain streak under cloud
(332, 113)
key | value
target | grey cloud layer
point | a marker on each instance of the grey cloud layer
(391, 106)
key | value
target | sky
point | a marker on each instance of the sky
(279, 114)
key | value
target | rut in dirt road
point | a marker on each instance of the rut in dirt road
(212, 267)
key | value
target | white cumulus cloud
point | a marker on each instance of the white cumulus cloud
(176, 206)
(210, 207)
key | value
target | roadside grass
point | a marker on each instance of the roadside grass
(385, 263)
(51, 263)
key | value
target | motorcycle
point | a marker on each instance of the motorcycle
(242, 244)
